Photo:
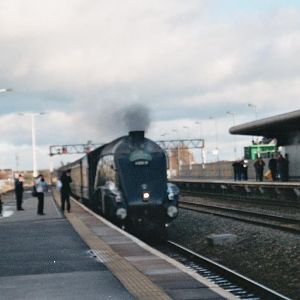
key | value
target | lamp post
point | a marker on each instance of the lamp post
(5, 90)
(178, 160)
(216, 152)
(187, 131)
(202, 149)
(254, 107)
(200, 127)
(187, 149)
(32, 116)
(17, 162)
(233, 114)
(175, 133)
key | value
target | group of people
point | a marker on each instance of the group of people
(278, 169)
(40, 188)
(240, 170)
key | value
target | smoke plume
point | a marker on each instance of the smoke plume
(136, 117)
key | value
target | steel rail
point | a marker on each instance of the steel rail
(277, 203)
(230, 280)
(286, 224)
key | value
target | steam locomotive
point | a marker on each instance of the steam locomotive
(126, 181)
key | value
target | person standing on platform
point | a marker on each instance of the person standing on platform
(259, 168)
(41, 188)
(282, 168)
(237, 169)
(273, 168)
(19, 189)
(65, 190)
(244, 167)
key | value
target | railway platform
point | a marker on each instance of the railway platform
(82, 256)
(42, 257)
(282, 192)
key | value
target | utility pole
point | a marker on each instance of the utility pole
(17, 162)
(254, 107)
(233, 114)
(32, 116)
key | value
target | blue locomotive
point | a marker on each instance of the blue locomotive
(126, 181)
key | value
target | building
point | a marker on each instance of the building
(285, 128)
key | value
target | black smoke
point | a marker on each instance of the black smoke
(136, 117)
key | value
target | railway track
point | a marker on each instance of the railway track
(231, 281)
(239, 285)
(240, 198)
(274, 221)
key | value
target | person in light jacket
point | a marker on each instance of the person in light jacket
(41, 188)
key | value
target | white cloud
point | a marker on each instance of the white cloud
(183, 59)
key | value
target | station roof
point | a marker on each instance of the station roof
(285, 128)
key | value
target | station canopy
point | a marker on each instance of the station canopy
(285, 128)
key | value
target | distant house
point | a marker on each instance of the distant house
(5, 174)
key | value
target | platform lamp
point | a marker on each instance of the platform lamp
(254, 107)
(233, 114)
(216, 152)
(5, 90)
(187, 137)
(178, 158)
(202, 151)
(200, 128)
(32, 116)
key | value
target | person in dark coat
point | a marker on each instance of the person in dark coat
(19, 191)
(259, 169)
(273, 168)
(244, 168)
(282, 167)
(65, 190)
(237, 170)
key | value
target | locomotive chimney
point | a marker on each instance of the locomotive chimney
(136, 136)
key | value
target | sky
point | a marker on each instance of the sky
(183, 63)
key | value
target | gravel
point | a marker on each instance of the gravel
(268, 256)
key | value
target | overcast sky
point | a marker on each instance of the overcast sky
(86, 62)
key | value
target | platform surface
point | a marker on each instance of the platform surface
(42, 257)
(80, 255)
